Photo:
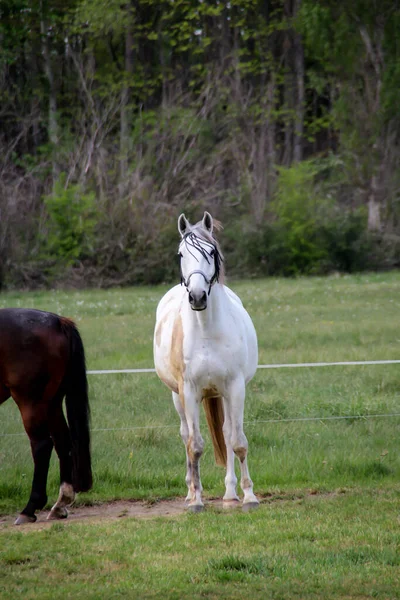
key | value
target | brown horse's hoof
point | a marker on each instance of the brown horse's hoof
(24, 519)
(57, 513)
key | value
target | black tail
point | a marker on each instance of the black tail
(78, 410)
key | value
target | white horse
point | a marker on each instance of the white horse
(205, 349)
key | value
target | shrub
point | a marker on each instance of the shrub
(72, 219)
(296, 239)
(348, 245)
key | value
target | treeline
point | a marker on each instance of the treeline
(280, 117)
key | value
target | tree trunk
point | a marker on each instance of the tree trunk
(288, 86)
(374, 50)
(125, 118)
(163, 65)
(288, 93)
(52, 114)
(374, 207)
(271, 141)
(299, 78)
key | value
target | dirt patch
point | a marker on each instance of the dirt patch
(120, 509)
(114, 510)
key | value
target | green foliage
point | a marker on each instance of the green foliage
(187, 104)
(308, 231)
(330, 35)
(348, 245)
(297, 208)
(153, 259)
(100, 17)
(165, 131)
(72, 220)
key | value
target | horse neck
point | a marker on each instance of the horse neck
(210, 318)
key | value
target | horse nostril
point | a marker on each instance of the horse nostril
(198, 301)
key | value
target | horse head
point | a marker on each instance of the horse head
(200, 259)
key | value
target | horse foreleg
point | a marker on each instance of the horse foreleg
(41, 446)
(194, 447)
(230, 479)
(184, 431)
(62, 444)
(239, 442)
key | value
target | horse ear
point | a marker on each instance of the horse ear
(208, 222)
(183, 225)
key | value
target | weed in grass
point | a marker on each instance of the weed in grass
(234, 568)
(15, 558)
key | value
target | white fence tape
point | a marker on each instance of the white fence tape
(289, 420)
(272, 366)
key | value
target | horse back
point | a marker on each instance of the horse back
(33, 346)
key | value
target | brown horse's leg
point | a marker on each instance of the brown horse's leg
(36, 411)
(62, 443)
(36, 426)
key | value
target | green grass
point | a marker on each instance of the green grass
(335, 546)
(351, 541)
(316, 319)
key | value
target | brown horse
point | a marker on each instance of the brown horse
(42, 359)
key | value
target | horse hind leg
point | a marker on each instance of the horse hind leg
(65, 498)
(62, 443)
(36, 427)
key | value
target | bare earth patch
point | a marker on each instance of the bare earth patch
(119, 509)
(113, 510)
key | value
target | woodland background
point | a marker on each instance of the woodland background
(280, 117)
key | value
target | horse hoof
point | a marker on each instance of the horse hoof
(57, 513)
(195, 508)
(250, 506)
(24, 519)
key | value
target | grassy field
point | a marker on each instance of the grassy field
(337, 546)
(329, 523)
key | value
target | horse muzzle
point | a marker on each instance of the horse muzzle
(198, 301)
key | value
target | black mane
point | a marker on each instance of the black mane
(192, 240)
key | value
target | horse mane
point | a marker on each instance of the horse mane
(208, 237)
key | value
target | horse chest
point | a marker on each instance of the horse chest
(210, 359)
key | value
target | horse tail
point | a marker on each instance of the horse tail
(214, 410)
(78, 410)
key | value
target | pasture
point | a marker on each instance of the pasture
(328, 525)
